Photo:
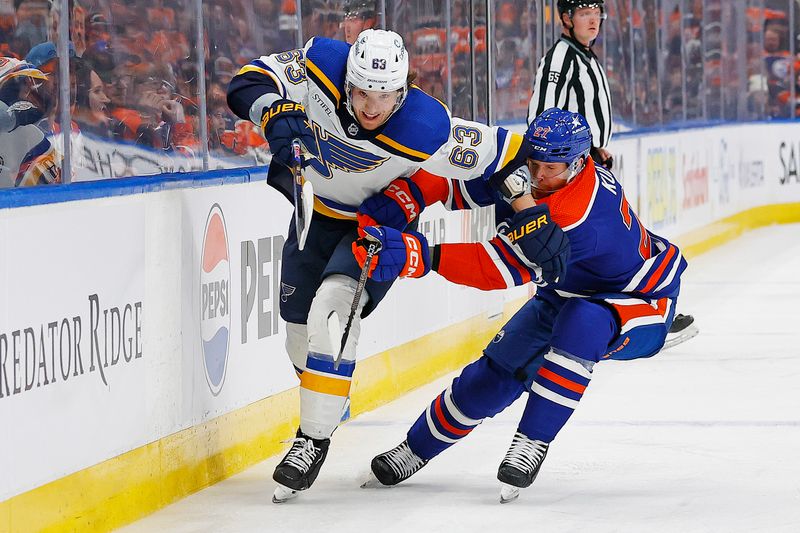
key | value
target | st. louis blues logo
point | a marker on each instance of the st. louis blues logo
(286, 291)
(335, 153)
(215, 315)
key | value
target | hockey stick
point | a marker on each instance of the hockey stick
(303, 196)
(373, 248)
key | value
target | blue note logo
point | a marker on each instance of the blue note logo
(337, 154)
(286, 291)
(215, 314)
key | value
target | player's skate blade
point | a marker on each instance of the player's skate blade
(373, 483)
(682, 330)
(508, 493)
(283, 494)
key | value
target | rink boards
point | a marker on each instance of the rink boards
(141, 352)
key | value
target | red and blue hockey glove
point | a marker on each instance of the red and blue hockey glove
(396, 206)
(404, 255)
(541, 241)
(283, 122)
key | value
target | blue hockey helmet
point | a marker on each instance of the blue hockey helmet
(560, 136)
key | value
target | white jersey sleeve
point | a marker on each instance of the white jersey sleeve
(288, 71)
(474, 150)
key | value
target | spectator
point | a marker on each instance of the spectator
(272, 28)
(33, 18)
(777, 62)
(218, 125)
(91, 103)
(224, 70)
(359, 15)
(44, 56)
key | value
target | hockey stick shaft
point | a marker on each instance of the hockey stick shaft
(302, 204)
(372, 248)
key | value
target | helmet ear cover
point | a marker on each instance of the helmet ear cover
(377, 61)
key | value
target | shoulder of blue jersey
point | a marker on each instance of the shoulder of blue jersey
(326, 66)
(418, 129)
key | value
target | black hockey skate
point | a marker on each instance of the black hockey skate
(299, 468)
(520, 466)
(681, 330)
(394, 466)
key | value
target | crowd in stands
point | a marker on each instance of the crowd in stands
(719, 60)
(134, 68)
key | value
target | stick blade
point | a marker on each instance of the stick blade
(306, 204)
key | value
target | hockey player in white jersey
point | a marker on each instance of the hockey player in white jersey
(27, 156)
(363, 124)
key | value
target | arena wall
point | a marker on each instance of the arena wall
(141, 352)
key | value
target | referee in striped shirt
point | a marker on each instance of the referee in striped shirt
(570, 77)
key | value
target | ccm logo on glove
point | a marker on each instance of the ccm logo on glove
(414, 261)
(403, 198)
(528, 228)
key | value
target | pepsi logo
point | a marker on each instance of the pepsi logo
(215, 312)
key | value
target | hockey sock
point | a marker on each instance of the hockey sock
(482, 390)
(324, 390)
(555, 392)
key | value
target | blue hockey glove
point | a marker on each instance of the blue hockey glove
(282, 122)
(404, 255)
(541, 241)
(396, 206)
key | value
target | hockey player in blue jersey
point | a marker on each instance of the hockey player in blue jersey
(364, 124)
(607, 289)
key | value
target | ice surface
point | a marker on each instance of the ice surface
(705, 437)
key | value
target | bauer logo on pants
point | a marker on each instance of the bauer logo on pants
(215, 314)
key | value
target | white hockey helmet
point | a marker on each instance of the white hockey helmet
(377, 61)
(11, 68)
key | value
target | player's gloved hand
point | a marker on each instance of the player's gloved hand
(396, 206)
(516, 184)
(283, 122)
(602, 157)
(404, 255)
(541, 241)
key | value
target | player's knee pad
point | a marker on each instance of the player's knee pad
(484, 389)
(584, 329)
(297, 344)
(335, 295)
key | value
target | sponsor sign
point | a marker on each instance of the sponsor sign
(215, 303)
